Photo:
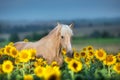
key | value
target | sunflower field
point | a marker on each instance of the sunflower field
(87, 64)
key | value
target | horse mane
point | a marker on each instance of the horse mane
(65, 29)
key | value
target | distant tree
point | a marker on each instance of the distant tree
(0, 28)
(95, 34)
(29, 37)
(36, 36)
(14, 37)
(90, 25)
(105, 34)
(118, 35)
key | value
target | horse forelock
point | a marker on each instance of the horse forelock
(66, 30)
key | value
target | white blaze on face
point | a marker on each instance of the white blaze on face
(66, 32)
(69, 47)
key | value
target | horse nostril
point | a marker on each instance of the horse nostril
(70, 54)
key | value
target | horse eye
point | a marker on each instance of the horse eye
(62, 37)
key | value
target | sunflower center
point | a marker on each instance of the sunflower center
(8, 49)
(33, 54)
(2, 50)
(87, 60)
(25, 56)
(7, 66)
(53, 77)
(83, 54)
(75, 65)
(0, 55)
(76, 54)
(118, 56)
(39, 70)
(109, 59)
(14, 52)
(100, 54)
(84, 49)
(54, 65)
(90, 53)
(118, 68)
(68, 59)
(89, 48)
(64, 49)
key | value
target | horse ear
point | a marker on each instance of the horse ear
(58, 28)
(58, 24)
(71, 26)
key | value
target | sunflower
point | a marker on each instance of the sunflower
(26, 40)
(110, 60)
(39, 71)
(84, 49)
(39, 62)
(17, 60)
(1, 54)
(54, 63)
(74, 50)
(76, 55)
(89, 48)
(36, 64)
(63, 51)
(116, 67)
(11, 44)
(87, 60)
(100, 54)
(83, 54)
(54, 73)
(7, 66)
(90, 54)
(33, 53)
(2, 50)
(28, 77)
(24, 56)
(75, 66)
(118, 56)
(1, 71)
(67, 59)
(7, 49)
(13, 52)
(39, 59)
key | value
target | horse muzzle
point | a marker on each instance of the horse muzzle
(70, 54)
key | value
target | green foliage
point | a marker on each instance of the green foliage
(14, 37)
(35, 36)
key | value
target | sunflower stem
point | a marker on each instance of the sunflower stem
(109, 73)
(72, 75)
(30, 65)
(23, 69)
(8, 76)
(17, 66)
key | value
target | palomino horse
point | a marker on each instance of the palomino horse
(50, 46)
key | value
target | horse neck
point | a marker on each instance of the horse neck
(55, 40)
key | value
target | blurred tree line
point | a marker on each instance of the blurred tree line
(14, 37)
(98, 34)
(37, 36)
(104, 34)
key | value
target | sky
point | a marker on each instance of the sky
(58, 9)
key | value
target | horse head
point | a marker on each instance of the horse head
(65, 34)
